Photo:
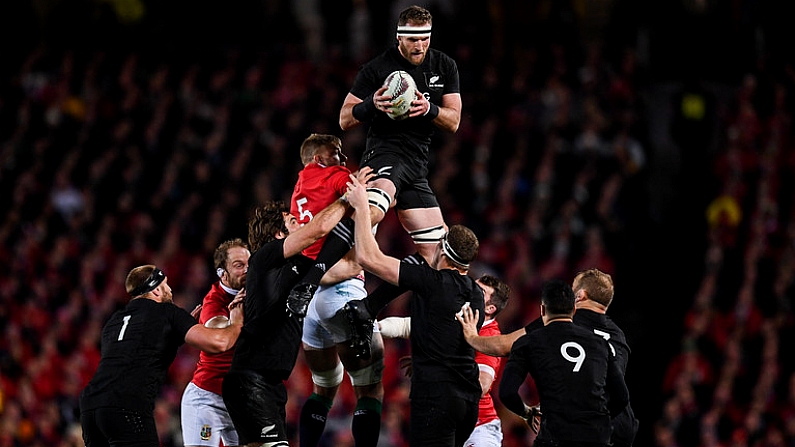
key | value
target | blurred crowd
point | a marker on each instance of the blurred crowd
(733, 383)
(112, 159)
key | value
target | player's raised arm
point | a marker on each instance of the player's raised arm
(368, 254)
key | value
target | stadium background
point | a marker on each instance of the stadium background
(653, 141)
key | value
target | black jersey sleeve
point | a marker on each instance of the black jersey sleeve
(366, 82)
(616, 388)
(513, 376)
(417, 277)
(181, 321)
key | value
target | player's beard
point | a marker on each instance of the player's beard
(238, 284)
(168, 297)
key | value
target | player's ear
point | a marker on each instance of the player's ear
(543, 310)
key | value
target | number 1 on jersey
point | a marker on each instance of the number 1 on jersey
(124, 326)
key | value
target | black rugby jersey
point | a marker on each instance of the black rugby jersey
(625, 425)
(139, 343)
(435, 77)
(270, 338)
(441, 359)
(573, 370)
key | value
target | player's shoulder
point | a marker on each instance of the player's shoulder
(440, 58)
(338, 170)
(490, 328)
(266, 254)
(386, 62)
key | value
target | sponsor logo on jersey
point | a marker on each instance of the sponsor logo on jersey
(434, 81)
(385, 171)
(206, 432)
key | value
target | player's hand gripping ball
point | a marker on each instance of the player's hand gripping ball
(400, 86)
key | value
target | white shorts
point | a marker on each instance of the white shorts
(324, 327)
(205, 420)
(486, 435)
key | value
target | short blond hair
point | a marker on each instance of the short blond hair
(598, 285)
(314, 143)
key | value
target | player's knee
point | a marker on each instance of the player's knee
(379, 199)
(430, 235)
(368, 375)
(330, 378)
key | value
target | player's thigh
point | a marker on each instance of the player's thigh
(257, 407)
(365, 374)
(439, 420)
(420, 218)
(328, 302)
(92, 435)
(205, 420)
(314, 334)
(321, 359)
(399, 170)
(124, 428)
(486, 435)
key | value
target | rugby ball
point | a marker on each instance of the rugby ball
(400, 86)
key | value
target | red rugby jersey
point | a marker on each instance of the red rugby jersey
(316, 188)
(486, 411)
(211, 368)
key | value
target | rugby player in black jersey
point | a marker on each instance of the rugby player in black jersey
(139, 343)
(396, 150)
(445, 387)
(579, 383)
(593, 291)
(253, 389)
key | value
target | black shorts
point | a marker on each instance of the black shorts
(256, 406)
(118, 427)
(441, 421)
(546, 443)
(407, 174)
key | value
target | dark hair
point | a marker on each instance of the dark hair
(265, 222)
(597, 284)
(502, 292)
(463, 242)
(313, 143)
(557, 297)
(417, 15)
(221, 254)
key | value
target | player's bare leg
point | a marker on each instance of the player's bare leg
(365, 376)
(426, 227)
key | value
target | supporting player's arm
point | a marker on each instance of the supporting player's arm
(215, 340)
(315, 229)
(496, 345)
(323, 222)
(367, 252)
